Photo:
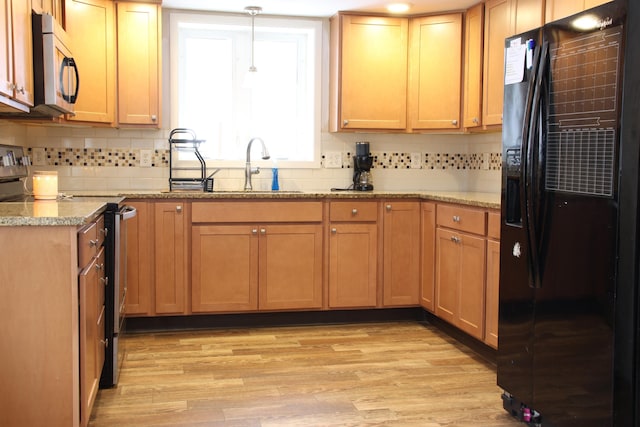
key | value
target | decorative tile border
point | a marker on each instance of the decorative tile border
(122, 157)
(433, 161)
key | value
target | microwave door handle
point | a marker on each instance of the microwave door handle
(69, 62)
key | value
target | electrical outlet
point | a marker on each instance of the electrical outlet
(333, 160)
(416, 161)
(39, 156)
(145, 158)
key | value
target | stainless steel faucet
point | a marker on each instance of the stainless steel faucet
(248, 171)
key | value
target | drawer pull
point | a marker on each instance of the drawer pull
(104, 280)
(456, 218)
(93, 243)
(99, 266)
(455, 239)
(103, 231)
(354, 212)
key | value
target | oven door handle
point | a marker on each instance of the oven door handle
(127, 212)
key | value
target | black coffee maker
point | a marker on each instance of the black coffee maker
(362, 163)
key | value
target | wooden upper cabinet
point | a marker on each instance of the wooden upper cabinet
(16, 69)
(558, 9)
(138, 45)
(498, 25)
(91, 26)
(369, 72)
(529, 14)
(473, 30)
(435, 58)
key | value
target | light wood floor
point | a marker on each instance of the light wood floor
(369, 374)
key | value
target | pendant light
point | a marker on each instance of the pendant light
(250, 77)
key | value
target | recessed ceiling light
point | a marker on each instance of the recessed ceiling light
(398, 7)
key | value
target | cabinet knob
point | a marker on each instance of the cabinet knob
(354, 212)
(254, 231)
(476, 120)
(388, 208)
(345, 123)
(99, 266)
(179, 208)
(334, 231)
(21, 90)
(456, 218)
(455, 239)
(93, 243)
(154, 118)
(454, 122)
(263, 231)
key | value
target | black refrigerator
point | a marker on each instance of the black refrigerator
(568, 314)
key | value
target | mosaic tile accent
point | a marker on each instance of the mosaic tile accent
(118, 157)
(122, 157)
(434, 161)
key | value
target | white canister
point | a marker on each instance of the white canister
(45, 185)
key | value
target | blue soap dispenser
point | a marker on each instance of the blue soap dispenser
(275, 186)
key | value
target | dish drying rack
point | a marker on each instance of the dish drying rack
(184, 140)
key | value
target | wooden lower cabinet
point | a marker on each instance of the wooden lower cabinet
(170, 257)
(248, 267)
(492, 293)
(353, 265)
(138, 300)
(401, 253)
(427, 273)
(224, 268)
(460, 275)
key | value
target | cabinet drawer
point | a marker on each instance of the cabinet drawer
(493, 225)
(353, 211)
(256, 211)
(461, 218)
(87, 244)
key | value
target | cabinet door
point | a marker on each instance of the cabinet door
(529, 15)
(224, 268)
(498, 25)
(427, 276)
(290, 272)
(90, 23)
(22, 51)
(558, 9)
(448, 261)
(139, 260)
(472, 107)
(492, 293)
(435, 59)
(170, 257)
(353, 266)
(89, 287)
(471, 312)
(373, 89)
(401, 252)
(6, 49)
(138, 64)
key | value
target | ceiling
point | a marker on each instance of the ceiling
(320, 8)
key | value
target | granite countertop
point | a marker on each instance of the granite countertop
(483, 200)
(67, 211)
(83, 207)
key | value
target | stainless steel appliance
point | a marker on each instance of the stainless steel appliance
(568, 322)
(55, 73)
(362, 163)
(115, 220)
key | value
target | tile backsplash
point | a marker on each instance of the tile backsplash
(109, 159)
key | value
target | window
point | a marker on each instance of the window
(211, 94)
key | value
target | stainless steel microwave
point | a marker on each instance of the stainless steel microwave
(55, 73)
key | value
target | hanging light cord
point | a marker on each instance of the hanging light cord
(253, 11)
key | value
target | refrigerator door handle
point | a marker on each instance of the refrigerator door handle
(531, 179)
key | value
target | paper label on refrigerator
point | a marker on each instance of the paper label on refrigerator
(514, 62)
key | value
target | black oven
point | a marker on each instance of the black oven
(115, 219)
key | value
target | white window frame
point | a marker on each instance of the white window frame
(175, 18)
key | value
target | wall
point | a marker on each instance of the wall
(108, 159)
